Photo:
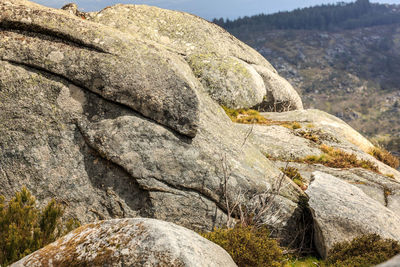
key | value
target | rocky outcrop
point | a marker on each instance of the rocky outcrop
(342, 211)
(394, 262)
(113, 122)
(130, 242)
(230, 71)
(116, 114)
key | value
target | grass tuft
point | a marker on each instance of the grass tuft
(250, 116)
(385, 156)
(337, 158)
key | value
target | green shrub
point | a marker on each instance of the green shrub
(248, 245)
(367, 250)
(25, 229)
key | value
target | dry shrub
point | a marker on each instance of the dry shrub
(248, 245)
(385, 156)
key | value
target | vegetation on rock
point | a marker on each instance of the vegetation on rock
(336, 158)
(366, 250)
(24, 228)
(310, 135)
(294, 174)
(385, 156)
(248, 245)
(250, 116)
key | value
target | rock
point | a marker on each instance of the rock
(327, 122)
(342, 211)
(377, 186)
(130, 242)
(99, 59)
(278, 100)
(281, 143)
(393, 262)
(234, 74)
(230, 81)
(114, 124)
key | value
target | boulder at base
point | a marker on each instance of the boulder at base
(342, 211)
(393, 262)
(130, 242)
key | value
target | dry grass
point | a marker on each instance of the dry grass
(337, 158)
(309, 135)
(251, 116)
(385, 156)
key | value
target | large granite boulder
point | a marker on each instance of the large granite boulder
(289, 147)
(130, 242)
(342, 211)
(116, 124)
(230, 71)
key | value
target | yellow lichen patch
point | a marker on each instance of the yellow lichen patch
(385, 156)
(336, 158)
(390, 175)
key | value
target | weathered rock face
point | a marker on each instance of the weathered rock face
(117, 115)
(130, 242)
(233, 73)
(394, 262)
(342, 211)
(116, 124)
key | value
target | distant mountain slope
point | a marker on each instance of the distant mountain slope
(353, 74)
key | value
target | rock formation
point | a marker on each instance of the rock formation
(130, 242)
(118, 121)
(117, 114)
(342, 211)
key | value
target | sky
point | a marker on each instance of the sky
(207, 9)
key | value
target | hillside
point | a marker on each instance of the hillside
(352, 73)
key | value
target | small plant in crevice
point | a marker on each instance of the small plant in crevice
(366, 250)
(294, 174)
(25, 228)
(309, 135)
(385, 156)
